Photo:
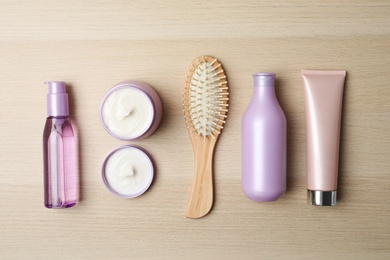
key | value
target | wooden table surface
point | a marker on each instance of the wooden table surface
(92, 45)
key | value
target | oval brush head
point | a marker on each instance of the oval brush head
(205, 102)
(205, 98)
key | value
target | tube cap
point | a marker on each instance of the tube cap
(57, 99)
(321, 198)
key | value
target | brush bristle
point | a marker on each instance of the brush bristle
(205, 97)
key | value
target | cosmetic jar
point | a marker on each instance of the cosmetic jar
(131, 110)
(127, 171)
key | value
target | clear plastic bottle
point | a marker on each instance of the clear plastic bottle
(59, 151)
(264, 137)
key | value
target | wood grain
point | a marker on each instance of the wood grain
(202, 191)
(93, 45)
(204, 135)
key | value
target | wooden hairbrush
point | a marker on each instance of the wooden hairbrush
(205, 102)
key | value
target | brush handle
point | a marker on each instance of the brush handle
(201, 198)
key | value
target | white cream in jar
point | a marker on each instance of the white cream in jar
(131, 110)
(127, 171)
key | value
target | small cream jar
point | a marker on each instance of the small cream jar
(131, 110)
(127, 171)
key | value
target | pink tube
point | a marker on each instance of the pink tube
(323, 103)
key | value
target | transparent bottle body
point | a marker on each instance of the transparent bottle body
(60, 163)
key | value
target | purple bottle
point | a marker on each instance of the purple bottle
(59, 150)
(264, 138)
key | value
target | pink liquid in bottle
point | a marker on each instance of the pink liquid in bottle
(59, 151)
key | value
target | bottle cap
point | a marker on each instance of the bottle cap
(264, 79)
(57, 99)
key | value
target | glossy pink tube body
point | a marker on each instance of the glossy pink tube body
(323, 103)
